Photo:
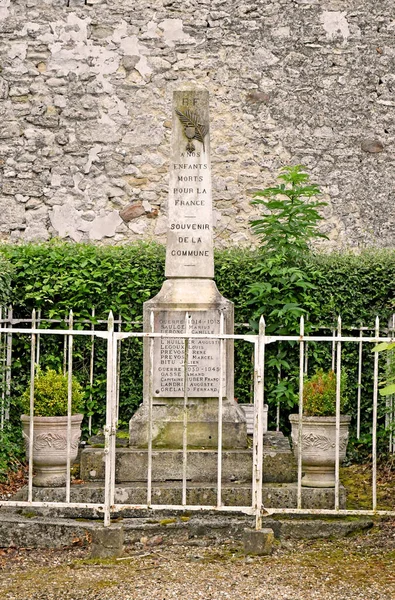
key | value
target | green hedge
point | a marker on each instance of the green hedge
(57, 276)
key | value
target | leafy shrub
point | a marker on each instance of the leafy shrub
(57, 276)
(51, 395)
(6, 275)
(388, 388)
(290, 218)
(11, 449)
(319, 394)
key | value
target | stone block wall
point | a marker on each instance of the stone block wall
(85, 104)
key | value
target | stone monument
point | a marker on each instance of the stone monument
(185, 406)
(189, 302)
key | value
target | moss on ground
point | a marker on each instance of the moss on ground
(357, 479)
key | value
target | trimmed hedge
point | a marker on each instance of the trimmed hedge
(57, 276)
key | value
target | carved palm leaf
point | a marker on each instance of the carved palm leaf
(190, 119)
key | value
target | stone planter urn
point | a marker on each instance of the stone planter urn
(319, 448)
(50, 447)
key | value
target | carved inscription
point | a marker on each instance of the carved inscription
(203, 355)
(189, 243)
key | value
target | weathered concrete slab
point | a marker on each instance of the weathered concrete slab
(39, 532)
(132, 465)
(198, 494)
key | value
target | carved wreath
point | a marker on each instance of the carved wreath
(321, 442)
(52, 440)
(193, 129)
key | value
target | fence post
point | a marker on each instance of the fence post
(8, 368)
(359, 391)
(110, 427)
(258, 424)
(390, 402)
(31, 412)
(69, 401)
(338, 393)
(220, 402)
(91, 368)
(301, 384)
(185, 411)
(150, 407)
(374, 425)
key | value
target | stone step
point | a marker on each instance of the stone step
(40, 532)
(170, 493)
(167, 465)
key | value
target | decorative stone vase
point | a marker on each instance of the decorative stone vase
(50, 447)
(319, 448)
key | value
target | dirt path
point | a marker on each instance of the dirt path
(362, 567)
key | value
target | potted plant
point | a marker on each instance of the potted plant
(50, 426)
(319, 428)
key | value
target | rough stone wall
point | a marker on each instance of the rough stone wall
(86, 88)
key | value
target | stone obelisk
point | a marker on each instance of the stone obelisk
(189, 298)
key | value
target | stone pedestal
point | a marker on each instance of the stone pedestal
(199, 302)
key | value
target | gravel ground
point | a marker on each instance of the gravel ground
(362, 567)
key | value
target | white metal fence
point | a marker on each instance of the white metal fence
(259, 342)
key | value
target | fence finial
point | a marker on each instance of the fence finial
(262, 325)
(301, 325)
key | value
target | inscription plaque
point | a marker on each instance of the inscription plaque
(203, 355)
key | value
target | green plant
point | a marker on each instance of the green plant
(319, 394)
(289, 221)
(56, 276)
(389, 382)
(6, 276)
(51, 395)
(11, 449)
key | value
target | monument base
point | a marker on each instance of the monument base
(199, 302)
(131, 464)
(202, 425)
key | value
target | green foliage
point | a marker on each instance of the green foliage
(51, 395)
(6, 274)
(291, 281)
(388, 384)
(289, 221)
(57, 276)
(283, 291)
(11, 449)
(319, 394)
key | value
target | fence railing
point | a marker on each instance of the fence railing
(259, 342)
